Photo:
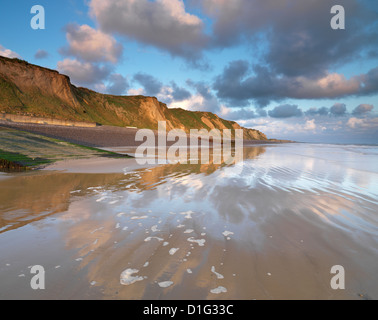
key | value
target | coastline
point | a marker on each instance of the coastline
(100, 136)
(272, 232)
(22, 151)
(97, 142)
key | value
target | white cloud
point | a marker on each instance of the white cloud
(136, 92)
(353, 122)
(194, 103)
(161, 23)
(310, 125)
(363, 109)
(8, 53)
(366, 123)
(83, 73)
(91, 45)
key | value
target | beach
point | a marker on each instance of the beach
(100, 136)
(212, 152)
(269, 227)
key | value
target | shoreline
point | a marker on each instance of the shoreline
(96, 165)
(23, 151)
(272, 232)
(95, 142)
(100, 137)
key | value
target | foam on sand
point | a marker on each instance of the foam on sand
(95, 230)
(127, 277)
(219, 276)
(150, 238)
(219, 290)
(138, 218)
(200, 242)
(227, 233)
(173, 251)
(188, 214)
(165, 284)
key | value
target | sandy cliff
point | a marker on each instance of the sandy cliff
(28, 89)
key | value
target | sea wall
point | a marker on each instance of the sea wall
(40, 120)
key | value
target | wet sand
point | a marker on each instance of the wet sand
(35, 150)
(101, 136)
(271, 231)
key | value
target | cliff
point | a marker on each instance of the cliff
(27, 89)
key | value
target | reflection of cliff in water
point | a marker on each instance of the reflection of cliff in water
(151, 178)
(30, 197)
(26, 198)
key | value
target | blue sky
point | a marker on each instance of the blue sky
(276, 66)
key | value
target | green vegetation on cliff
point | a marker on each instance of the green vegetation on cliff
(32, 90)
(22, 150)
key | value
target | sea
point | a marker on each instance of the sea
(288, 221)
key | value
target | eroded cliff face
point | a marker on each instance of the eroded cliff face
(218, 123)
(30, 78)
(27, 89)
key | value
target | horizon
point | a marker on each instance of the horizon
(288, 75)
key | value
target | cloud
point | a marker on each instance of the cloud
(8, 53)
(283, 128)
(363, 109)
(297, 37)
(202, 88)
(354, 122)
(338, 109)
(201, 100)
(293, 37)
(176, 96)
(41, 54)
(90, 45)
(323, 111)
(194, 103)
(240, 83)
(368, 125)
(210, 102)
(118, 84)
(164, 24)
(94, 76)
(322, 129)
(369, 81)
(179, 93)
(310, 125)
(152, 86)
(285, 111)
(136, 92)
(173, 95)
(235, 115)
(84, 73)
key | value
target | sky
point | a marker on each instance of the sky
(273, 65)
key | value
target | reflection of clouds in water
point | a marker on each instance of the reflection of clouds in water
(268, 186)
(122, 221)
(272, 179)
